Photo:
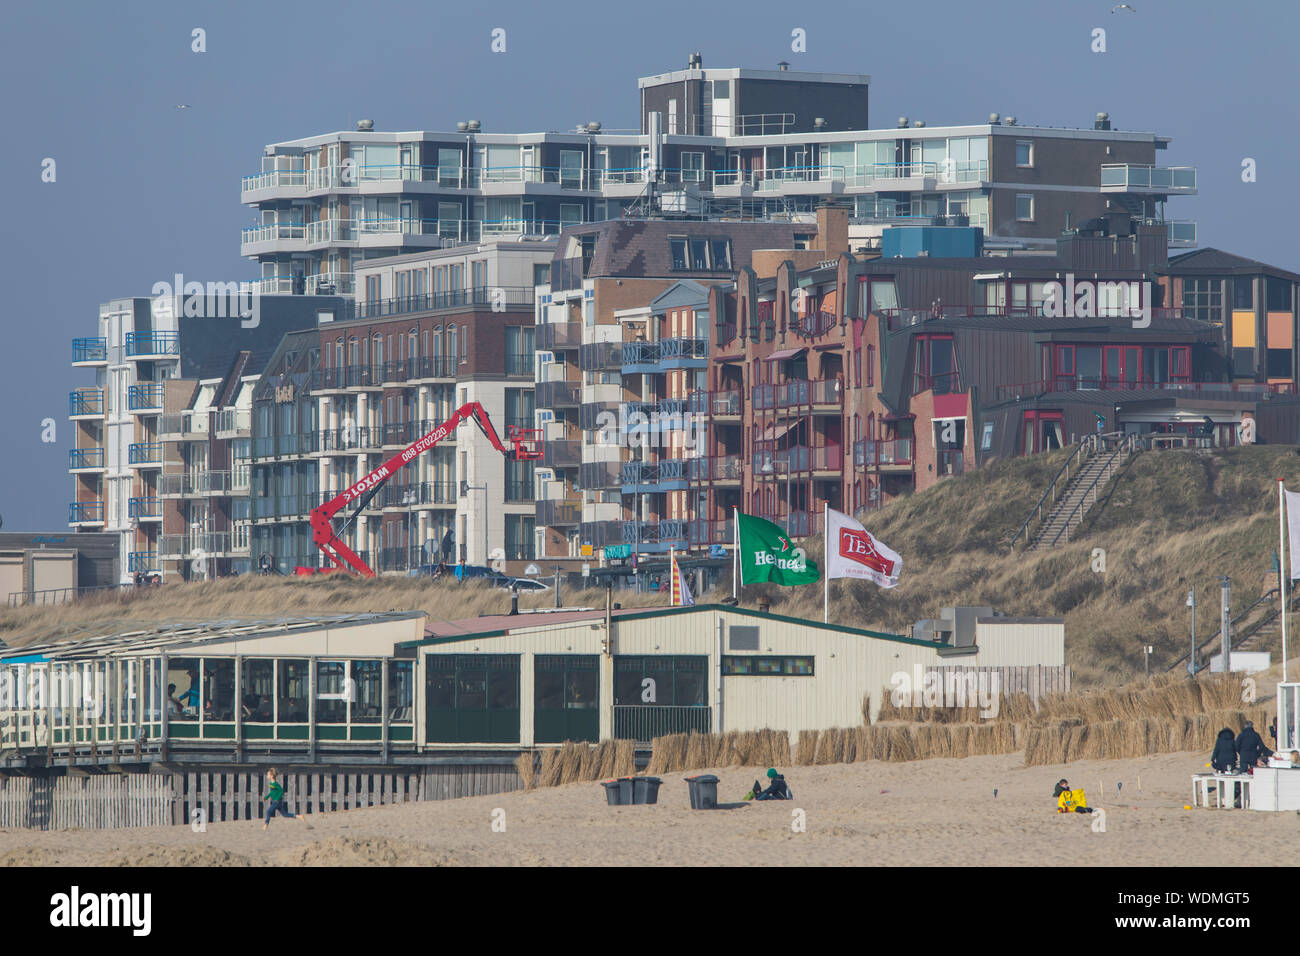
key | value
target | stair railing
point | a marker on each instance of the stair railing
(1268, 597)
(1123, 448)
(1081, 452)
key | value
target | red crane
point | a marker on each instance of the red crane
(524, 447)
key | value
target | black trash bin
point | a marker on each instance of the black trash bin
(645, 789)
(618, 792)
(704, 791)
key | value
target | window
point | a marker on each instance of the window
(700, 253)
(1024, 207)
(570, 214)
(753, 665)
(541, 273)
(720, 253)
(678, 249)
(935, 365)
(673, 681)
(1277, 295)
(692, 167)
(1243, 293)
(1203, 299)
(1024, 153)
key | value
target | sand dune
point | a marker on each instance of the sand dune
(925, 812)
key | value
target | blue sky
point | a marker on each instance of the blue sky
(144, 190)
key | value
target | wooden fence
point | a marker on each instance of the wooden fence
(158, 799)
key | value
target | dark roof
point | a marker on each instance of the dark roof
(638, 248)
(303, 344)
(1217, 262)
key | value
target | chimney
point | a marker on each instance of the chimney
(832, 230)
(783, 66)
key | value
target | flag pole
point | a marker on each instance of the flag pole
(826, 562)
(1281, 558)
(735, 555)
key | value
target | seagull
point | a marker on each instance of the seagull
(1123, 6)
(185, 106)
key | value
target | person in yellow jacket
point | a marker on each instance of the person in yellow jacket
(1070, 801)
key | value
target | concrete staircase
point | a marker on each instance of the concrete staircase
(1082, 492)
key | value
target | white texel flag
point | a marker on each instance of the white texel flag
(852, 552)
(1293, 529)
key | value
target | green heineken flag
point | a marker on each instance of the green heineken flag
(768, 554)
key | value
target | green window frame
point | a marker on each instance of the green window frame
(755, 665)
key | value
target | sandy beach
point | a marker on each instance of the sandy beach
(930, 812)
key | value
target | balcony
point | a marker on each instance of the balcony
(145, 509)
(601, 357)
(566, 453)
(552, 336)
(86, 459)
(650, 476)
(600, 475)
(1137, 178)
(289, 445)
(333, 440)
(402, 434)
(493, 298)
(400, 372)
(772, 463)
(142, 562)
(720, 468)
(153, 345)
(1182, 233)
(86, 402)
(275, 232)
(185, 426)
(234, 423)
(797, 524)
(349, 376)
(558, 513)
(418, 494)
(330, 230)
(655, 535)
(521, 363)
(90, 351)
(147, 397)
(703, 533)
(1224, 391)
(331, 283)
(668, 414)
(720, 404)
(145, 454)
(827, 459)
(895, 454)
(813, 325)
(195, 484)
(663, 354)
(274, 179)
(86, 512)
(194, 546)
(557, 394)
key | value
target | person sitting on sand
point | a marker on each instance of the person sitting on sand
(1066, 801)
(1224, 757)
(777, 790)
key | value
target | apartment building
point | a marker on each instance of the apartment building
(610, 283)
(868, 379)
(433, 332)
(149, 357)
(712, 144)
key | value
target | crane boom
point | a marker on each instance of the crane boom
(361, 491)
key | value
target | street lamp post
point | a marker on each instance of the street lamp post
(1191, 658)
(465, 489)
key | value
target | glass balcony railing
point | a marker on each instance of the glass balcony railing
(86, 401)
(145, 453)
(1137, 176)
(149, 344)
(144, 396)
(89, 350)
(86, 458)
(144, 508)
(82, 512)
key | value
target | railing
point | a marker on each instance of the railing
(665, 413)
(1239, 636)
(1064, 383)
(1123, 446)
(140, 344)
(601, 356)
(1081, 452)
(194, 545)
(654, 532)
(942, 383)
(797, 524)
(87, 400)
(717, 468)
(233, 421)
(418, 493)
(330, 230)
(274, 446)
(142, 561)
(400, 370)
(183, 423)
(566, 453)
(80, 512)
(331, 283)
(403, 433)
(557, 394)
(654, 472)
(702, 532)
(558, 512)
(665, 351)
(1182, 232)
(813, 325)
(194, 483)
(600, 475)
(275, 177)
(273, 231)
(872, 453)
(567, 274)
(645, 722)
(349, 376)
(719, 403)
(769, 463)
(521, 363)
(89, 350)
(139, 397)
(349, 439)
(553, 335)
(491, 296)
(144, 508)
(145, 453)
(1136, 176)
(797, 393)
(827, 458)
(86, 457)
(762, 124)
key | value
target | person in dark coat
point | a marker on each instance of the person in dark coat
(1249, 747)
(1224, 757)
(777, 790)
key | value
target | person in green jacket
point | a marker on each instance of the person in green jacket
(275, 801)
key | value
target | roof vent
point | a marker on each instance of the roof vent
(902, 122)
(695, 62)
(1010, 121)
(473, 126)
(783, 66)
(593, 126)
(1103, 121)
(995, 118)
(365, 125)
(918, 124)
(462, 126)
(819, 123)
